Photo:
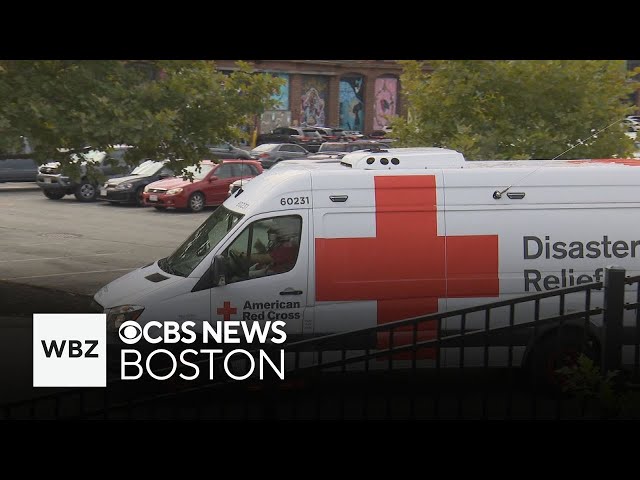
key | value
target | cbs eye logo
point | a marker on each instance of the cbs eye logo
(130, 332)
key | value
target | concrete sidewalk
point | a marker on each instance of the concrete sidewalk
(18, 186)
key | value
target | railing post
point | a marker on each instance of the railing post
(612, 323)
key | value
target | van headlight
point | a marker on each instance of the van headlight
(116, 316)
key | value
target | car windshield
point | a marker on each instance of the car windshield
(195, 248)
(199, 172)
(91, 156)
(147, 168)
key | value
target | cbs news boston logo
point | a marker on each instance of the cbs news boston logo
(69, 350)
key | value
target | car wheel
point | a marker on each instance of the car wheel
(86, 192)
(139, 198)
(160, 208)
(53, 195)
(196, 202)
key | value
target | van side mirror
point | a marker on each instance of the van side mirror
(219, 271)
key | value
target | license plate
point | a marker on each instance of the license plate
(103, 192)
(153, 198)
(47, 180)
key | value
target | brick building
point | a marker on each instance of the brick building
(351, 94)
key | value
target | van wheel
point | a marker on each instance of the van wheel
(86, 192)
(196, 202)
(557, 349)
(53, 195)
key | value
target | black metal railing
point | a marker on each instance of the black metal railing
(467, 363)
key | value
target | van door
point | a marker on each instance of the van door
(267, 266)
(380, 252)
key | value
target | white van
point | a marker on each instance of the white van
(387, 235)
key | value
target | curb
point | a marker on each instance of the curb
(18, 186)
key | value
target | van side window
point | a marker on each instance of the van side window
(266, 247)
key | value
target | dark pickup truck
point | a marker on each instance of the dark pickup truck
(309, 138)
(55, 184)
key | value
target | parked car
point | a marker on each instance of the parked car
(129, 189)
(55, 185)
(227, 151)
(210, 185)
(377, 134)
(18, 168)
(331, 134)
(353, 135)
(348, 147)
(307, 137)
(269, 154)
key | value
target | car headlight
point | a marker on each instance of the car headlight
(146, 189)
(174, 191)
(124, 186)
(116, 316)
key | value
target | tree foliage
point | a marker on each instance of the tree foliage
(517, 109)
(165, 109)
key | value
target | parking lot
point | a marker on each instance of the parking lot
(79, 247)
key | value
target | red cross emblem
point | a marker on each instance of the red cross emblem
(407, 266)
(227, 310)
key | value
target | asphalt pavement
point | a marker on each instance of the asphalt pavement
(54, 255)
(79, 247)
(18, 186)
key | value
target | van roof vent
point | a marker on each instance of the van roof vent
(403, 158)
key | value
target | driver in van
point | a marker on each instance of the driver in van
(281, 252)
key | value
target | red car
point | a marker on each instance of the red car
(210, 185)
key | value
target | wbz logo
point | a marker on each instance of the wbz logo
(69, 350)
(75, 348)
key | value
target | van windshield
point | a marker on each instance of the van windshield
(195, 248)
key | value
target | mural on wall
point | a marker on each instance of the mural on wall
(352, 102)
(282, 97)
(315, 90)
(385, 103)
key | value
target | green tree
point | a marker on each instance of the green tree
(166, 109)
(525, 109)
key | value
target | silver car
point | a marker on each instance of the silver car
(268, 154)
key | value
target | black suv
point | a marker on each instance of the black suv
(55, 185)
(306, 137)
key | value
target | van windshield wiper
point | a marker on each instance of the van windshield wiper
(163, 263)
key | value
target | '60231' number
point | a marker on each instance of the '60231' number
(294, 201)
